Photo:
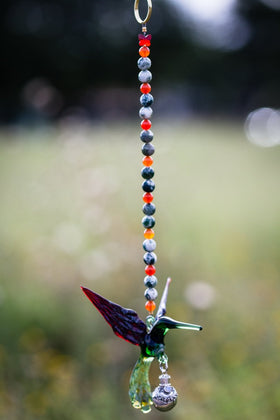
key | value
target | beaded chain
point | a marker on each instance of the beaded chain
(148, 186)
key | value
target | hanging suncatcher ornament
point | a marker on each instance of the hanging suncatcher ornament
(125, 323)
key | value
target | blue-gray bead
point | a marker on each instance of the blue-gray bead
(148, 185)
(151, 294)
(145, 112)
(148, 149)
(144, 63)
(149, 209)
(147, 172)
(145, 76)
(146, 99)
(150, 281)
(149, 245)
(150, 258)
(148, 222)
(146, 135)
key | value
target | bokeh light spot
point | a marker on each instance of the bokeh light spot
(262, 127)
(200, 295)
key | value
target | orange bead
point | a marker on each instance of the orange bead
(144, 51)
(145, 88)
(147, 161)
(149, 233)
(150, 306)
(148, 197)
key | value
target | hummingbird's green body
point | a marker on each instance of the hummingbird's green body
(139, 385)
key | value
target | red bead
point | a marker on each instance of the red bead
(150, 306)
(145, 88)
(144, 42)
(144, 51)
(146, 124)
(150, 270)
(147, 161)
(148, 197)
(144, 39)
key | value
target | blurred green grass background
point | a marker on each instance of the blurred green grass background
(71, 214)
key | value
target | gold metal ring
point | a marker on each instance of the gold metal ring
(137, 15)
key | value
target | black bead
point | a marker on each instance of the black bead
(148, 222)
(149, 209)
(150, 258)
(148, 185)
(147, 172)
(146, 136)
(148, 149)
(146, 100)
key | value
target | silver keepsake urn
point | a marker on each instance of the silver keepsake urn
(165, 395)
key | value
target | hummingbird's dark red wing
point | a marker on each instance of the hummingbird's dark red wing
(124, 322)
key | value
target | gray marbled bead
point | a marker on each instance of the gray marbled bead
(144, 63)
(146, 136)
(149, 245)
(150, 281)
(145, 113)
(150, 258)
(148, 222)
(148, 149)
(145, 76)
(151, 294)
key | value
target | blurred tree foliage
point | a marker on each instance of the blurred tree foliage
(79, 47)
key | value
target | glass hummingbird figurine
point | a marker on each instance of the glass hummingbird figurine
(150, 338)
